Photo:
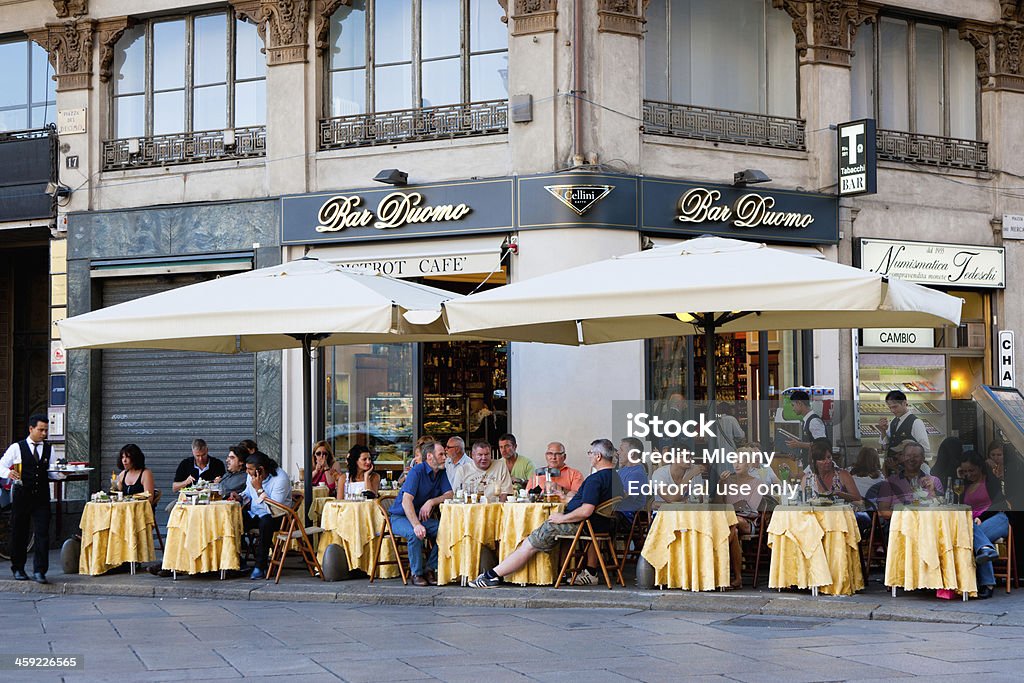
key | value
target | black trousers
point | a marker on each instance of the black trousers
(267, 524)
(30, 509)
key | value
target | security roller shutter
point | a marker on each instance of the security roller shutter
(161, 400)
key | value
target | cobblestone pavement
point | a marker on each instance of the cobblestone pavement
(154, 639)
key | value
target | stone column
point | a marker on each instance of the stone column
(284, 27)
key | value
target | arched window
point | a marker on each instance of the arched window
(200, 72)
(28, 94)
(389, 55)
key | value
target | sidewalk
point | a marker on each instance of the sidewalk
(296, 585)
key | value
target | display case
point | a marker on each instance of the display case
(921, 377)
(390, 426)
(444, 415)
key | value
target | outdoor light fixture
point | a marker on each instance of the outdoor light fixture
(684, 317)
(749, 176)
(392, 176)
(58, 190)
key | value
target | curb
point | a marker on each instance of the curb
(528, 598)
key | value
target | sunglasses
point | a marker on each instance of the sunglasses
(319, 452)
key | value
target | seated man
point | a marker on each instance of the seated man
(200, 466)
(633, 475)
(518, 465)
(599, 487)
(234, 481)
(457, 459)
(425, 487)
(266, 480)
(486, 475)
(567, 479)
(909, 482)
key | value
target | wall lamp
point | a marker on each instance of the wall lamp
(749, 176)
(392, 176)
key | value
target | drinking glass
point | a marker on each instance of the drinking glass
(958, 489)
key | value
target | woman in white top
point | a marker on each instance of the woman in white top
(867, 471)
(360, 476)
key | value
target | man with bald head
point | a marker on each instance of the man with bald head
(566, 478)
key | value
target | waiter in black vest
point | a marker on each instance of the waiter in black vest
(904, 425)
(26, 463)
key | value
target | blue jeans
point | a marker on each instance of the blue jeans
(987, 533)
(400, 525)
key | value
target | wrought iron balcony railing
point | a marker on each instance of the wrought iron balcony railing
(414, 125)
(184, 148)
(723, 125)
(932, 150)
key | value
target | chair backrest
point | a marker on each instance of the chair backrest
(386, 521)
(155, 499)
(607, 508)
(292, 521)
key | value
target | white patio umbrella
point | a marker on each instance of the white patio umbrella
(296, 305)
(704, 286)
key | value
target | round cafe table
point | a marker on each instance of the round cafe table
(518, 520)
(463, 530)
(203, 538)
(114, 533)
(816, 548)
(354, 525)
(688, 546)
(931, 547)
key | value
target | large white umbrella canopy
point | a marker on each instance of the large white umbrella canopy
(681, 289)
(296, 305)
(264, 309)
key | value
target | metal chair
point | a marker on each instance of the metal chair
(606, 510)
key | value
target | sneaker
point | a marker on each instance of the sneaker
(585, 578)
(484, 581)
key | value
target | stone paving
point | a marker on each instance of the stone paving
(168, 639)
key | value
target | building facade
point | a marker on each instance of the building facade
(201, 139)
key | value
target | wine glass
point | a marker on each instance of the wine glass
(958, 489)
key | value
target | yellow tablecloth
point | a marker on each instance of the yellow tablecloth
(316, 510)
(931, 548)
(354, 526)
(115, 533)
(815, 548)
(688, 546)
(464, 528)
(518, 520)
(203, 538)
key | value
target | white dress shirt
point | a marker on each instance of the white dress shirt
(917, 431)
(277, 487)
(13, 455)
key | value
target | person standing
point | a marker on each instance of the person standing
(26, 463)
(905, 425)
(812, 426)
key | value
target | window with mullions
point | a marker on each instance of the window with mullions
(738, 55)
(28, 94)
(388, 55)
(916, 77)
(202, 72)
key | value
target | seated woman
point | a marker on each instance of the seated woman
(135, 477)
(994, 458)
(747, 510)
(323, 467)
(417, 456)
(360, 476)
(947, 459)
(232, 483)
(867, 471)
(983, 493)
(825, 478)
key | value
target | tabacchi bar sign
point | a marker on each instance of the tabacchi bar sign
(394, 211)
(750, 210)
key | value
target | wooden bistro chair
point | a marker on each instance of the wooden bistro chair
(754, 547)
(636, 536)
(292, 529)
(398, 545)
(585, 532)
(1005, 566)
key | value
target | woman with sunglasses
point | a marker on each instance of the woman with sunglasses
(323, 467)
(360, 476)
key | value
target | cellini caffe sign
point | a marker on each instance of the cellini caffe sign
(952, 265)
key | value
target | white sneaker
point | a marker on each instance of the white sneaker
(585, 578)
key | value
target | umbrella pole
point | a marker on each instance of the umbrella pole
(709, 356)
(307, 427)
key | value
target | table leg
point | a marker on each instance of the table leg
(894, 591)
(58, 492)
(814, 591)
(222, 574)
(131, 567)
(964, 594)
(174, 575)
